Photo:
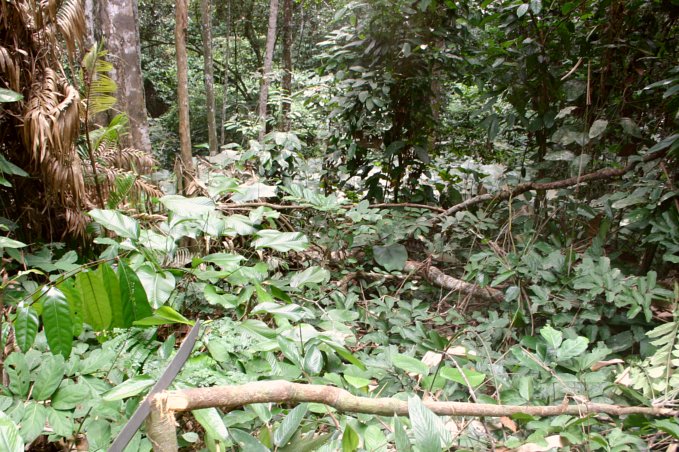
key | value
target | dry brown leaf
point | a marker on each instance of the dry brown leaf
(624, 378)
(553, 442)
(509, 424)
(598, 365)
(432, 359)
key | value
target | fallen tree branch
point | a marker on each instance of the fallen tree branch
(604, 173)
(440, 279)
(279, 391)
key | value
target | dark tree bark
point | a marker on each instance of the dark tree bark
(266, 71)
(181, 24)
(206, 31)
(227, 49)
(287, 66)
(118, 20)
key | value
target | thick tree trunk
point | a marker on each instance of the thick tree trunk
(206, 31)
(287, 66)
(119, 19)
(181, 24)
(266, 72)
(227, 49)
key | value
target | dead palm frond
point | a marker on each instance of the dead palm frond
(40, 133)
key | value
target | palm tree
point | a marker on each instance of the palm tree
(42, 132)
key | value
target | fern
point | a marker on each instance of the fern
(658, 375)
(123, 185)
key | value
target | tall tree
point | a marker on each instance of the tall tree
(266, 71)
(227, 49)
(206, 31)
(181, 24)
(118, 23)
(287, 66)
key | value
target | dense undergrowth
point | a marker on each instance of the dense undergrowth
(462, 211)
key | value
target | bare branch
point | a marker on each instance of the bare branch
(604, 173)
(279, 391)
(440, 279)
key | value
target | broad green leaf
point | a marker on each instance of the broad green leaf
(350, 439)
(68, 397)
(158, 285)
(667, 426)
(33, 421)
(10, 439)
(7, 95)
(226, 300)
(246, 442)
(291, 312)
(250, 192)
(115, 221)
(536, 6)
(430, 435)
(75, 302)
(258, 329)
(290, 350)
(6, 242)
(240, 224)
(401, 440)
(96, 361)
(310, 276)
(49, 377)
(630, 127)
(344, 353)
(409, 364)
(552, 336)
(58, 324)
(374, 439)
(164, 315)
(289, 425)
(391, 257)
(225, 261)
(132, 291)
(598, 127)
(311, 442)
(357, 382)
(96, 305)
(122, 314)
(19, 376)
(281, 241)
(630, 200)
(211, 421)
(665, 143)
(522, 9)
(61, 422)
(313, 361)
(473, 377)
(25, 327)
(571, 348)
(8, 167)
(129, 388)
(188, 207)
